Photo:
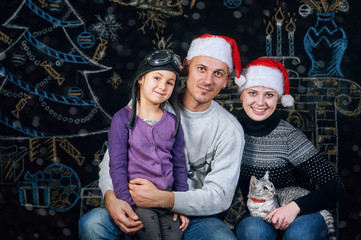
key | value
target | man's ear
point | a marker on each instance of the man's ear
(186, 63)
(226, 82)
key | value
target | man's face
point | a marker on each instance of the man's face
(206, 77)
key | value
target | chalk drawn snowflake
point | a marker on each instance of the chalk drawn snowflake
(152, 20)
(107, 28)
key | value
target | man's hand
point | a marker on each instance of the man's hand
(122, 213)
(282, 217)
(145, 194)
(184, 221)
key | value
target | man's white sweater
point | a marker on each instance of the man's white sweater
(214, 142)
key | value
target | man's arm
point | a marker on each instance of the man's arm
(145, 194)
(105, 182)
(122, 213)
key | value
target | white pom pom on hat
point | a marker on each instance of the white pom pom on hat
(268, 73)
(287, 100)
(219, 47)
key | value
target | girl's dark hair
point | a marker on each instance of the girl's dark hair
(135, 93)
(173, 99)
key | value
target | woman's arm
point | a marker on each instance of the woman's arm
(329, 186)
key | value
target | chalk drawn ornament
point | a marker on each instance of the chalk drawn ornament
(18, 58)
(75, 93)
(64, 187)
(86, 40)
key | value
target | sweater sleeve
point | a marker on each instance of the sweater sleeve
(315, 173)
(329, 186)
(105, 182)
(179, 163)
(118, 152)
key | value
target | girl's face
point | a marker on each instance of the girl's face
(157, 86)
(259, 102)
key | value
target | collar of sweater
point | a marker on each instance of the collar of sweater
(189, 114)
(259, 128)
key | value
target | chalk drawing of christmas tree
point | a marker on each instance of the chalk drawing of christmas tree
(44, 73)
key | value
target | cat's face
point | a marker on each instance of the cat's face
(262, 188)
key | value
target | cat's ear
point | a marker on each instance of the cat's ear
(253, 181)
(266, 176)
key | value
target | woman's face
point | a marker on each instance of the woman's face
(259, 102)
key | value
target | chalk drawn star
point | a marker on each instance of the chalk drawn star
(115, 80)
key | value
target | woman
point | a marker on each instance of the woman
(276, 146)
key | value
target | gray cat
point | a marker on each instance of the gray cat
(263, 198)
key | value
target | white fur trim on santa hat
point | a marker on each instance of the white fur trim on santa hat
(263, 76)
(215, 47)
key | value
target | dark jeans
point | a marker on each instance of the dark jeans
(157, 224)
(304, 227)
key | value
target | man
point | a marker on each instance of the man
(214, 143)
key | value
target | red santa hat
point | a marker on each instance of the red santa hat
(268, 73)
(219, 47)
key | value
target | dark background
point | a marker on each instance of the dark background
(244, 24)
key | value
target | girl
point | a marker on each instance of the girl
(146, 141)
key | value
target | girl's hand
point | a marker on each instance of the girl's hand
(282, 217)
(184, 221)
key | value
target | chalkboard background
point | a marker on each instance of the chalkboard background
(67, 66)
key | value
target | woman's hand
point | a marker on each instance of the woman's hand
(282, 217)
(184, 220)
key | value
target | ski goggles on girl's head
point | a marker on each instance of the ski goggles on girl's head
(164, 56)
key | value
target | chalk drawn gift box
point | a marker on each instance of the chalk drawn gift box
(35, 190)
(11, 163)
(91, 197)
